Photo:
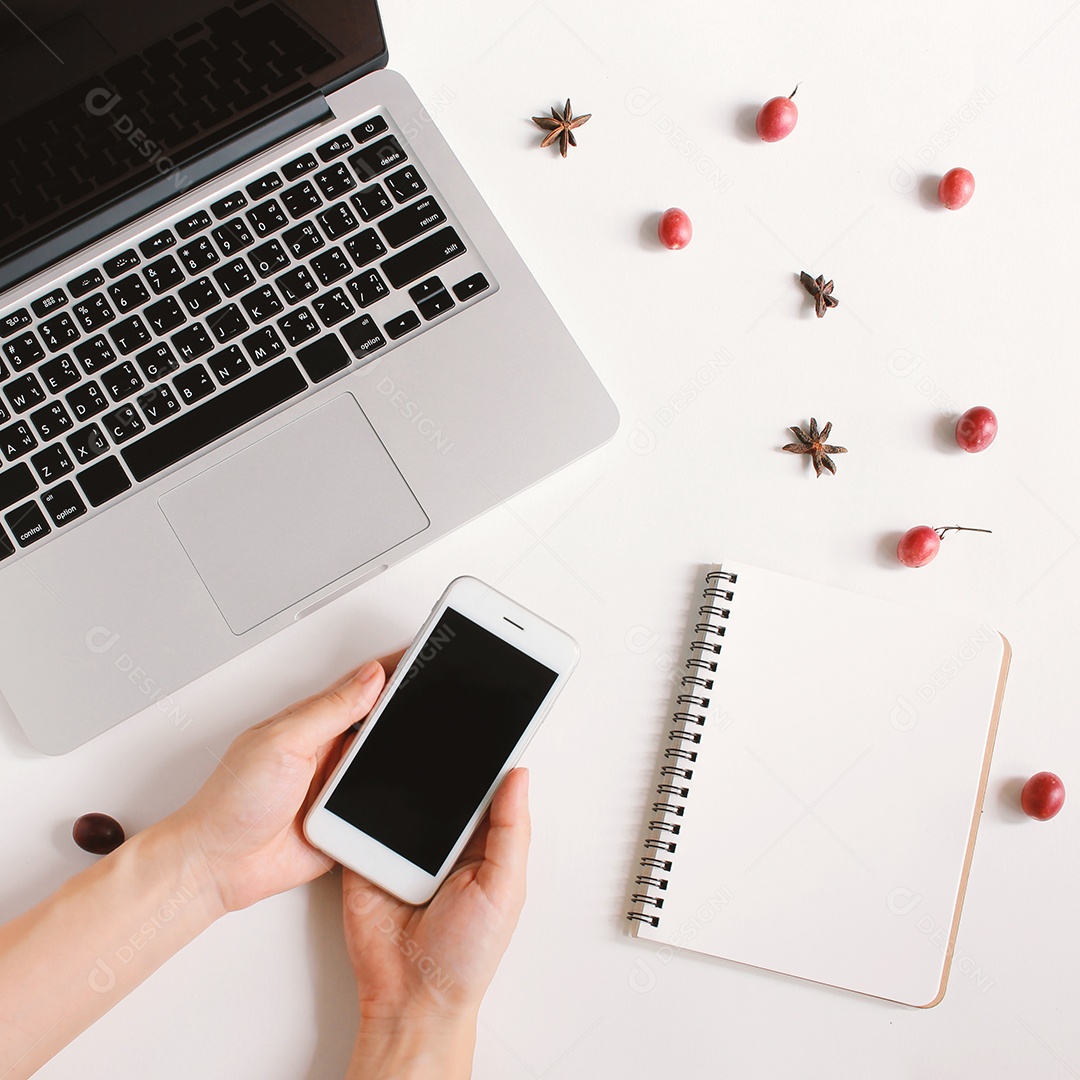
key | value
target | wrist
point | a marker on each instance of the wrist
(181, 866)
(414, 1048)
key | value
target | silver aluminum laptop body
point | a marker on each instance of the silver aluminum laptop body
(210, 556)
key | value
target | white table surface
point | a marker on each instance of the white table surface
(710, 353)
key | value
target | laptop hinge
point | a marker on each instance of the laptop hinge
(283, 120)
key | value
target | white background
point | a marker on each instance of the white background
(710, 353)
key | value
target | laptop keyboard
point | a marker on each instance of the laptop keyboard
(157, 352)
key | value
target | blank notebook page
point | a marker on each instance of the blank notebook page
(826, 830)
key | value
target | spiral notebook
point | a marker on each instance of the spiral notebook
(820, 784)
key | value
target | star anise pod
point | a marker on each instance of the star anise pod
(813, 442)
(820, 290)
(560, 126)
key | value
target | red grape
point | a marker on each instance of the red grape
(776, 119)
(1043, 796)
(956, 188)
(675, 229)
(976, 429)
(97, 833)
(918, 546)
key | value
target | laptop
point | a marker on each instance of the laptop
(260, 339)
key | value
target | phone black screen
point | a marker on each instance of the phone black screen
(441, 741)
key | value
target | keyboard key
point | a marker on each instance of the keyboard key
(400, 326)
(200, 296)
(234, 278)
(371, 202)
(263, 345)
(59, 332)
(5, 416)
(365, 247)
(369, 129)
(24, 393)
(24, 350)
(409, 223)
(157, 243)
(262, 304)
(192, 342)
(123, 424)
(157, 362)
(59, 373)
(295, 286)
(233, 236)
(86, 401)
(227, 323)
(129, 335)
(16, 484)
(268, 183)
(468, 288)
(338, 221)
(194, 384)
(298, 326)
(335, 181)
(49, 302)
(332, 307)
(362, 336)
(198, 255)
(269, 258)
(426, 289)
(103, 481)
(164, 274)
(63, 504)
(28, 524)
(17, 440)
(94, 312)
(335, 148)
(406, 184)
(423, 257)
(324, 357)
(331, 266)
(7, 548)
(122, 381)
(229, 365)
(85, 283)
(193, 224)
(267, 218)
(436, 305)
(368, 287)
(303, 240)
(51, 421)
(299, 167)
(159, 404)
(228, 205)
(377, 158)
(50, 464)
(128, 294)
(94, 354)
(302, 199)
(14, 322)
(87, 444)
(122, 263)
(223, 413)
(165, 315)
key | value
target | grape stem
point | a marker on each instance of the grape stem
(942, 530)
(792, 94)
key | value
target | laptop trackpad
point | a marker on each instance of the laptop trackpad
(292, 513)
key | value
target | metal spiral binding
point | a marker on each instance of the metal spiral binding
(664, 827)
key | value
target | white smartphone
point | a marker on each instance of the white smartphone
(451, 723)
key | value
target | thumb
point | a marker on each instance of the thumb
(326, 717)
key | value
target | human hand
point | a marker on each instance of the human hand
(422, 971)
(242, 830)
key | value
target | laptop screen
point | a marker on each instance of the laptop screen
(98, 97)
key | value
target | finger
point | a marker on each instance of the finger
(325, 717)
(507, 849)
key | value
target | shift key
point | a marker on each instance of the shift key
(423, 257)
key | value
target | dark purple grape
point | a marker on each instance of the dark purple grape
(97, 833)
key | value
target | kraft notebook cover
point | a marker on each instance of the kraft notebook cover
(820, 784)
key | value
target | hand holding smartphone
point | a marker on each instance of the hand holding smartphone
(452, 721)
